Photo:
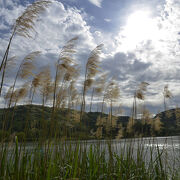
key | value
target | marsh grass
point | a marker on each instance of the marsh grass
(85, 160)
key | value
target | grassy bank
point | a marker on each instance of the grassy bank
(81, 160)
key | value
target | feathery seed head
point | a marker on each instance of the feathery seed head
(25, 23)
(167, 93)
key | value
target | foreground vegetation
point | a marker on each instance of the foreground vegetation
(81, 160)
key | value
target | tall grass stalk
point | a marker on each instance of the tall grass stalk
(91, 69)
(81, 160)
(23, 26)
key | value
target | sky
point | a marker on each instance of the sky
(141, 41)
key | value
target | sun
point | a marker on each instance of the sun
(140, 27)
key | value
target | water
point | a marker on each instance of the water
(167, 147)
(148, 149)
(169, 144)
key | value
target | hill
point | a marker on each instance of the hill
(171, 121)
(34, 121)
(33, 118)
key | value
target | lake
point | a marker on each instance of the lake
(149, 147)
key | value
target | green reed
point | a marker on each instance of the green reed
(83, 160)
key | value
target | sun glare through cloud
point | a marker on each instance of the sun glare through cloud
(140, 27)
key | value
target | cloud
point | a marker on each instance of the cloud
(9, 11)
(57, 25)
(53, 29)
(154, 61)
(96, 2)
(107, 20)
(125, 64)
(127, 69)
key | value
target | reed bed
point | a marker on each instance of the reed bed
(86, 160)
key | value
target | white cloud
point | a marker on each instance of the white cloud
(155, 61)
(53, 29)
(9, 11)
(96, 2)
(107, 20)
